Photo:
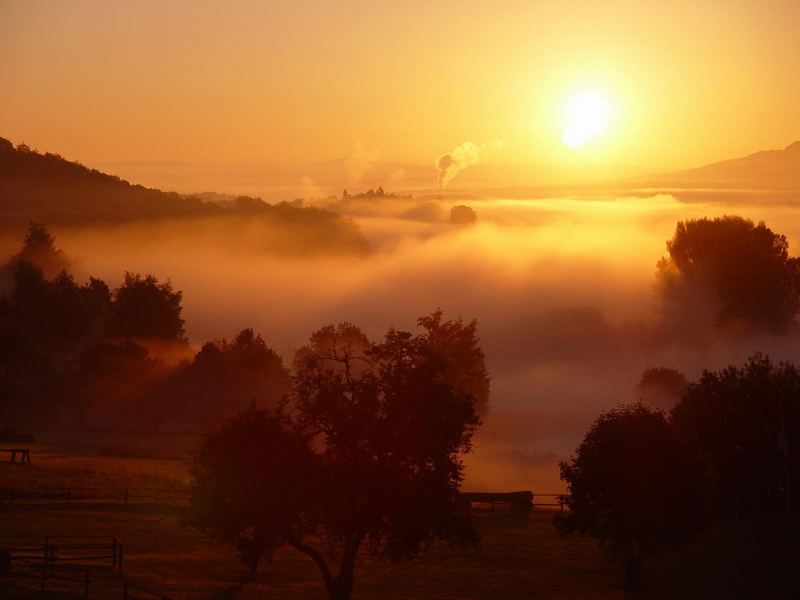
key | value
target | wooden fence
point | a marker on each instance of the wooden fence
(24, 454)
(559, 500)
(44, 575)
(83, 494)
(53, 549)
(524, 500)
(521, 500)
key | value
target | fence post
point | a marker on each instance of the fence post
(86, 586)
(125, 591)
(53, 549)
(119, 559)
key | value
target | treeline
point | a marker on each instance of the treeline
(89, 355)
(36, 187)
(643, 480)
(726, 446)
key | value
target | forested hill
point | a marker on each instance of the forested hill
(47, 188)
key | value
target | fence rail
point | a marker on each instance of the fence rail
(83, 494)
(52, 549)
(559, 500)
(24, 454)
(524, 500)
(35, 557)
(516, 500)
(43, 574)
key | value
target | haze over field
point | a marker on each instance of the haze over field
(563, 289)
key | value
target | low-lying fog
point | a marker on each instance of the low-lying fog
(563, 290)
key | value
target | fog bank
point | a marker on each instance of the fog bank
(563, 290)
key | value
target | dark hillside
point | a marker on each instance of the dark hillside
(46, 188)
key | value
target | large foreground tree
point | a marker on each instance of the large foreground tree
(635, 486)
(367, 453)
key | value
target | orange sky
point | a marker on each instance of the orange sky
(302, 81)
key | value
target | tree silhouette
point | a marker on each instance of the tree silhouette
(464, 362)
(661, 387)
(747, 422)
(635, 485)
(28, 381)
(39, 248)
(335, 342)
(380, 465)
(462, 214)
(742, 272)
(59, 316)
(145, 308)
(255, 481)
(114, 380)
(223, 379)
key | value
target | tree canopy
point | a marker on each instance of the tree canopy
(39, 248)
(222, 379)
(661, 387)
(462, 214)
(746, 420)
(734, 270)
(458, 346)
(146, 308)
(255, 479)
(635, 485)
(374, 446)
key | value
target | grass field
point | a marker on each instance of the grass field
(520, 556)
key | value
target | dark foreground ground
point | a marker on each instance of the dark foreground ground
(520, 556)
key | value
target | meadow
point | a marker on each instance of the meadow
(520, 554)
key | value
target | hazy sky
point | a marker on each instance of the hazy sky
(300, 81)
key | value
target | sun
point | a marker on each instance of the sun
(587, 115)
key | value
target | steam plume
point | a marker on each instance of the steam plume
(462, 156)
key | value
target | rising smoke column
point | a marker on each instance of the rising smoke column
(462, 156)
(451, 164)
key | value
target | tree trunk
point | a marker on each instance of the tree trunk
(633, 566)
(341, 588)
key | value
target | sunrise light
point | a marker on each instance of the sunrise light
(587, 115)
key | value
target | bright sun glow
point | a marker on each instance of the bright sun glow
(587, 115)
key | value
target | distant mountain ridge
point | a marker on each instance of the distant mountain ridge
(767, 167)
